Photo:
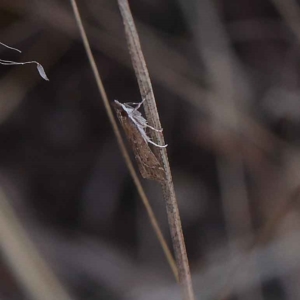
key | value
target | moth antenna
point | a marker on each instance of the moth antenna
(133, 103)
(140, 104)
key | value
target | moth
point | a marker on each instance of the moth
(135, 125)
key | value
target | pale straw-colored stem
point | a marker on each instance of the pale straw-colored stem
(146, 90)
(117, 133)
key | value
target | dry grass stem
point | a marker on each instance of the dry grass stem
(117, 133)
(146, 90)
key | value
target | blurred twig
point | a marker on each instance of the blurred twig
(229, 82)
(21, 255)
(121, 143)
(261, 238)
(146, 90)
(207, 280)
(290, 11)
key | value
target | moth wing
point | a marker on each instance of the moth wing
(148, 164)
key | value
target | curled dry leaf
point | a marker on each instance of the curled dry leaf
(9, 62)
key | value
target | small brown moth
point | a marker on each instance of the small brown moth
(134, 125)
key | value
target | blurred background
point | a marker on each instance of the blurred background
(226, 79)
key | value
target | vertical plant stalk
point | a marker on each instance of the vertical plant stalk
(124, 152)
(151, 112)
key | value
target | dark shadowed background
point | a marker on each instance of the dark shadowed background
(226, 79)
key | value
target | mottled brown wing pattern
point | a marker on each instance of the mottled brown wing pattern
(149, 166)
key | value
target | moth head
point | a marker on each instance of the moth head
(117, 105)
(120, 109)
